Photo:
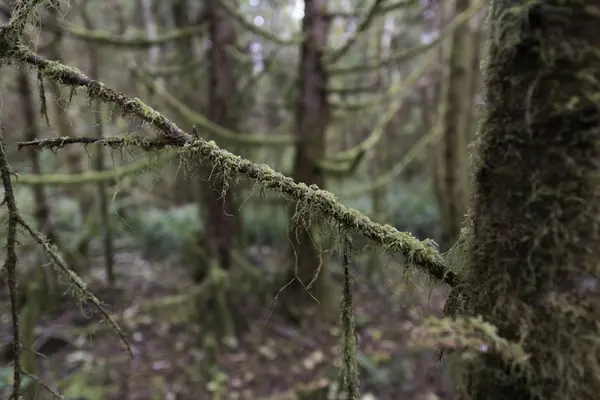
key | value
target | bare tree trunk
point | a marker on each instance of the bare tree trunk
(312, 117)
(221, 224)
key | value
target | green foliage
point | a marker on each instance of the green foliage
(264, 224)
(163, 233)
(6, 380)
(68, 223)
(414, 208)
(410, 206)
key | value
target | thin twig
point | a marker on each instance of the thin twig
(58, 261)
(10, 264)
(47, 388)
(114, 142)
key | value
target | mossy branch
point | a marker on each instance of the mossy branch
(249, 139)
(127, 106)
(391, 239)
(251, 27)
(195, 66)
(384, 8)
(82, 292)
(396, 93)
(343, 168)
(9, 269)
(336, 54)
(469, 335)
(138, 40)
(385, 179)
(353, 90)
(413, 51)
(386, 236)
(95, 176)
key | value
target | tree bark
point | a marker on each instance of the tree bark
(312, 117)
(221, 225)
(535, 256)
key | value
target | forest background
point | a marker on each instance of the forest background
(221, 289)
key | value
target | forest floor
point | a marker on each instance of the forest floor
(175, 359)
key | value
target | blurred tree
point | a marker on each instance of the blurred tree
(312, 119)
(73, 158)
(456, 114)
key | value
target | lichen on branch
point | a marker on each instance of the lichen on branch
(318, 200)
(321, 201)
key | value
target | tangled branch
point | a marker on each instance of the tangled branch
(10, 264)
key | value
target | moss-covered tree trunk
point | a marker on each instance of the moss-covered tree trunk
(536, 247)
(312, 116)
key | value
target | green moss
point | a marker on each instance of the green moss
(534, 231)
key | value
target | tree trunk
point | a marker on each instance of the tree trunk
(535, 258)
(312, 116)
(221, 224)
(456, 115)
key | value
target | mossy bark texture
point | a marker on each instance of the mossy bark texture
(536, 247)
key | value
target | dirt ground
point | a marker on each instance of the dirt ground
(175, 359)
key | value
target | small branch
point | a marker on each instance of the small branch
(362, 27)
(10, 265)
(114, 142)
(82, 291)
(47, 388)
(386, 236)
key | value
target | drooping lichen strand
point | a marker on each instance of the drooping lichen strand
(535, 259)
(22, 15)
